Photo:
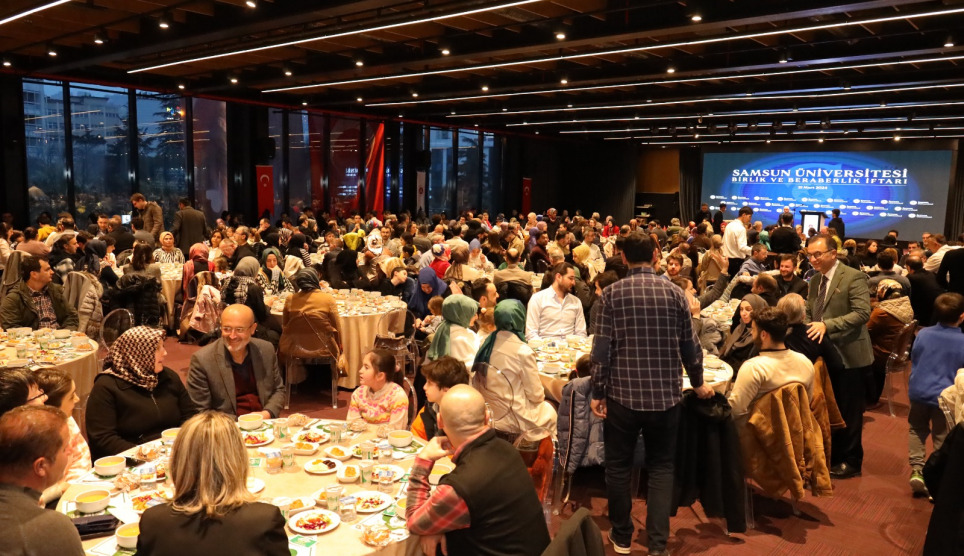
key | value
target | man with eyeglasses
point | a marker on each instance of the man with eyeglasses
(838, 306)
(18, 387)
(237, 374)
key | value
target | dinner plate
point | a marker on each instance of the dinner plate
(397, 472)
(314, 437)
(305, 448)
(316, 467)
(255, 485)
(313, 522)
(268, 437)
(339, 453)
(370, 501)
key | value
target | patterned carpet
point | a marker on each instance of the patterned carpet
(874, 514)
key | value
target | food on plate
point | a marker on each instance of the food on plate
(314, 437)
(369, 502)
(252, 439)
(144, 501)
(147, 452)
(314, 522)
(297, 420)
(127, 482)
(84, 347)
(358, 425)
(304, 446)
(297, 504)
(376, 536)
(351, 471)
(161, 471)
(321, 465)
(337, 452)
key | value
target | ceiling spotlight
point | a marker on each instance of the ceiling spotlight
(477, 125)
(234, 80)
(846, 85)
(358, 99)
(696, 136)
(7, 63)
(446, 52)
(696, 18)
(51, 50)
(414, 95)
(784, 57)
(671, 69)
(485, 88)
(99, 38)
(181, 86)
(949, 42)
(564, 81)
(897, 138)
(820, 140)
(505, 109)
(359, 63)
(287, 72)
(560, 36)
(400, 115)
(304, 103)
(452, 112)
(251, 4)
(568, 106)
(163, 23)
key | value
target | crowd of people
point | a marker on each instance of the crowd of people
(483, 291)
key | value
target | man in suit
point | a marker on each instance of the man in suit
(123, 239)
(924, 289)
(838, 306)
(237, 374)
(151, 213)
(189, 227)
(950, 274)
(718, 219)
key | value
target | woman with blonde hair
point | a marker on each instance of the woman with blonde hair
(712, 265)
(212, 511)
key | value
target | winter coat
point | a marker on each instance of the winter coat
(580, 430)
(140, 294)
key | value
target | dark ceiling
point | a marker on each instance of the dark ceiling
(654, 71)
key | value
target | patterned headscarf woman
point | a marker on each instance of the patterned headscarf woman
(131, 357)
(457, 309)
(284, 235)
(245, 274)
(296, 247)
(307, 279)
(509, 315)
(419, 302)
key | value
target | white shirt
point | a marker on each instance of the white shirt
(769, 371)
(734, 241)
(463, 344)
(516, 396)
(549, 317)
(933, 263)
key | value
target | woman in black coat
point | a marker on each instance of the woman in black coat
(212, 511)
(135, 398)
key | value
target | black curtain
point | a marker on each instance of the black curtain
(955, 205)
(690, 177)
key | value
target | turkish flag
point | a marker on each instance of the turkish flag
(265, 176)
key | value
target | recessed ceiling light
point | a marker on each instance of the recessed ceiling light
(401, 115)
(234, 80)
(568, 106)
(287, 72)
(414, 95)
(99, 38)
(358, 99)
(163, 23)
(564, 81)
(504, 109)
(304, 103)
(485, 88)
(949, 43)
(251, 3)
(51, 51)
(560, 36)
(446, 52)
(180, 86)
(820, 140)
(696, 18)
(359, 63)
(671, 69)
(7, 63)
(768, 140)
(476, 125)
(896, 138)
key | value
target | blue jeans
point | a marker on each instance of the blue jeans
(622, 428)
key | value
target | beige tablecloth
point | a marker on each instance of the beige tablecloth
(345, 540)
(83, 367)
(358, 336)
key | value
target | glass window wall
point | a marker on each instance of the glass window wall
(210, 157)
(43, 114)
(468, 170)
(161, 154)
(344, 182)
(440, 183)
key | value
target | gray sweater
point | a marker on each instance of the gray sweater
(26, 529)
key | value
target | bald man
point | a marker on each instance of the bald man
(487, 505)
(237, 374)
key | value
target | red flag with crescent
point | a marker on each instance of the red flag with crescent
(265, 175)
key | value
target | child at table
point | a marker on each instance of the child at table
(937, 354)
(379, 400)
(430, 322)
(440, 375)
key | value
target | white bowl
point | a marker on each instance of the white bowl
(339, 453)
(355, 473)
(169, 435)
(61, 334)
(400, 506)
(126, 535)
(110, 465)
(439, 470)
(400, 439)
(251, 421)
(92, 501)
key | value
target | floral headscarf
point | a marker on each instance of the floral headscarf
(131, 356)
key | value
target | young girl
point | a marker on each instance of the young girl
(379, 400)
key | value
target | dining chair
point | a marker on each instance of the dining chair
(308, 338)
(899, 362)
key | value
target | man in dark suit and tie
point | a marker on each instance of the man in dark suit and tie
(237, 374)
(718, 219)
(189, 227)
(838, 306)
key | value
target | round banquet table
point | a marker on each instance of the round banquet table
(82, 366)
(555, 365)
(358, 332)
(344, 540)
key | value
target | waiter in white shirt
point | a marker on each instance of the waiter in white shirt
(735, 248)
(554, 312)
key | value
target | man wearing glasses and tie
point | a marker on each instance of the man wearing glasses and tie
(838, 306)
(237, 374)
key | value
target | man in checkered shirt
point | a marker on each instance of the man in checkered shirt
(644, 338)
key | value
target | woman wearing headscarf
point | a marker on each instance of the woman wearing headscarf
(887, 320)
(168, 252)
(135, 398)
(515, 394)
(309, 299)
(454, 337)
(429, 285)
(297, 247)
(271, 277)
(242, 287)
(198, 262)
(739, 345)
